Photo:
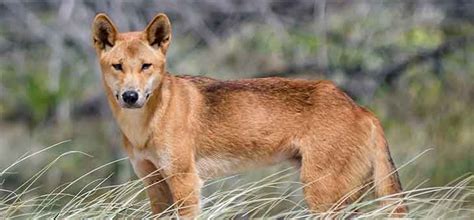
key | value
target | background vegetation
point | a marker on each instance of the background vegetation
(411, 62)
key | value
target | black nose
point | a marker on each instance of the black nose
(130, 97)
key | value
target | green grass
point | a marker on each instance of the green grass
(270, 197)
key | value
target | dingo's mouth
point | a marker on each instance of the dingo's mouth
(131, 106)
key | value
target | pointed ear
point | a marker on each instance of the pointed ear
(104, 32)
(158, 32)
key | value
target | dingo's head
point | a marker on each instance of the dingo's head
(133, 63)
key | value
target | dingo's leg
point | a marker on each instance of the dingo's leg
(185, 188)
(332, 180)
(156, 186)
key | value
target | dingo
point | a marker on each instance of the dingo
(186, 129)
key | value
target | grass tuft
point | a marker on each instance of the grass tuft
(273, 196)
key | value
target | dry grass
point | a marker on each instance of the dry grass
(271, 196)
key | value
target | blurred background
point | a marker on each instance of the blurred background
(411, 62)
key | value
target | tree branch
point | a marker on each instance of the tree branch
(386, 75)
(390, 74)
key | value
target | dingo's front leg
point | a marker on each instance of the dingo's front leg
(156, 186)
(185, 186)
(185, 189)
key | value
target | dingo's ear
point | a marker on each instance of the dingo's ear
(104, 32)
(158, 32)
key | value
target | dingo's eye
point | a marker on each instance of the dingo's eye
(117, 66)
(146, 66)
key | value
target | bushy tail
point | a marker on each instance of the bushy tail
(385, 176)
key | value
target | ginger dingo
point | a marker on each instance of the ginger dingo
(187, 129)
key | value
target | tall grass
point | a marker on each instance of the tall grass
(272, 196)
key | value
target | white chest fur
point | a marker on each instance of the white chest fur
(134, 126)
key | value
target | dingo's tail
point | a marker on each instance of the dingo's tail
(385, 175)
